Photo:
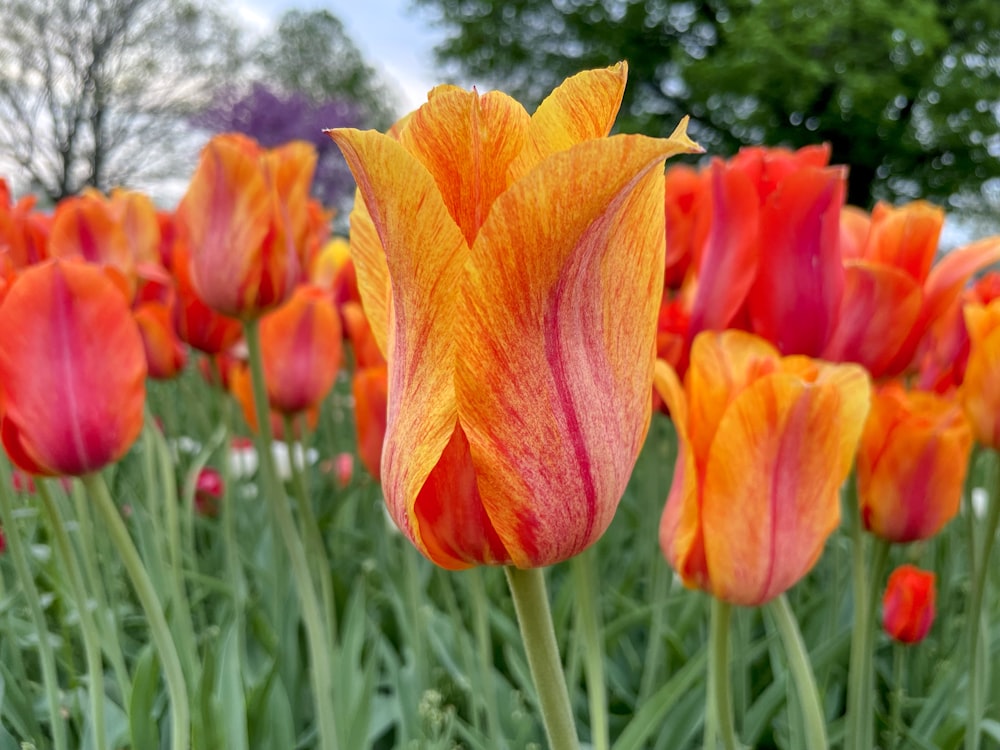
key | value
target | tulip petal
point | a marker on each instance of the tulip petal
(467, 142)
(771, 487)
(425, 253)
(980, 389)
(372, 272)
(227, 212)
(797, 292)
(73, 367)
(681, 535)
(581, 108)
(880, 306)
(556, 337)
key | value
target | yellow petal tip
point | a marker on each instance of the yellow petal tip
(681, 137)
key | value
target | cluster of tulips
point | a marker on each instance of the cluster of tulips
(521, 293)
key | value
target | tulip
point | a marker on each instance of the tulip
(87, 227)
(980, 390)
(301, 347)
(208, 492)
(166, 355)
(908, 604)
(241, 387)
(911, 463)
(370, 387)
(893, 291)
(73, 370)
(765, 443)
(511, 273)
(196, 323)
(247, 220)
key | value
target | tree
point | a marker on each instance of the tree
(311, 53)
(93, 92)
(906, 93)
(274, 118)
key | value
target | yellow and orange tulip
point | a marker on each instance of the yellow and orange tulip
(765, 443)
(511, 267)
(246, 216)
(980, 389)
(911, 463)
(73, 370)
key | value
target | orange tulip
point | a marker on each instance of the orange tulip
(980, 390)
(908, 605)
(765, 443)
(893, 292)
(197, 323)
(73, 370)
(301, 347)
(512, 276)
(247, 220)
(241, 386)
(89, 228)
(166, 355)
(911, 463)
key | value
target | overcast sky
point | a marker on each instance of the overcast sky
(391, 36)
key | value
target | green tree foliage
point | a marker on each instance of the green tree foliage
(310, 53)
(94, 92)
(905, 92)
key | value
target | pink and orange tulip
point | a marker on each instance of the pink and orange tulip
(512, 276)
(908, 605)
(302, 350)
(911, 463)
(765, 443)
(248, 223)
(73, 370)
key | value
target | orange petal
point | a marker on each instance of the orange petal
(800, 279)
(467, 142)
(681, 534)
(771, 489)
(369, 386)
(579, 109)
(980, 389)
(73, 368)
(425, 252)
(227, 214)
(557, 327)
(301, 348)
(880, 306)
(911, 464)
(905, 237)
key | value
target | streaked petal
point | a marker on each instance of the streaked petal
(771, 497)
(579, 109)
(467, 142)
(556, 339)
(425, 252)
(372, 272)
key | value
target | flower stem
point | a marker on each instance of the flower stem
(320, 663)
(867, 582)
(26, 577)
(531, 602)
(978, 594)
(719, 725)
(802, 673)
(158, 628)
(896, 708)
(585, 588)
(91, 640)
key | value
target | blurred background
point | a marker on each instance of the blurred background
(125, 92)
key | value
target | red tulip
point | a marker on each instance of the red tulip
(208, 492)
(73, 370)
(908, 605)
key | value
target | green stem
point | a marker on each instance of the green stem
(719, 725)
(158, 629)
(896, 709)
(91, 639)
(867, 585)
(531, 602)
(320, 662)
(978, 594)
(586, 587)
(309, 526)
(110, 642)
(24, 574)
(802, 673)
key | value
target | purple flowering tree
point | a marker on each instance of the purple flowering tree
(273, 118)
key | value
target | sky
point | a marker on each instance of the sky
(391, 35)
